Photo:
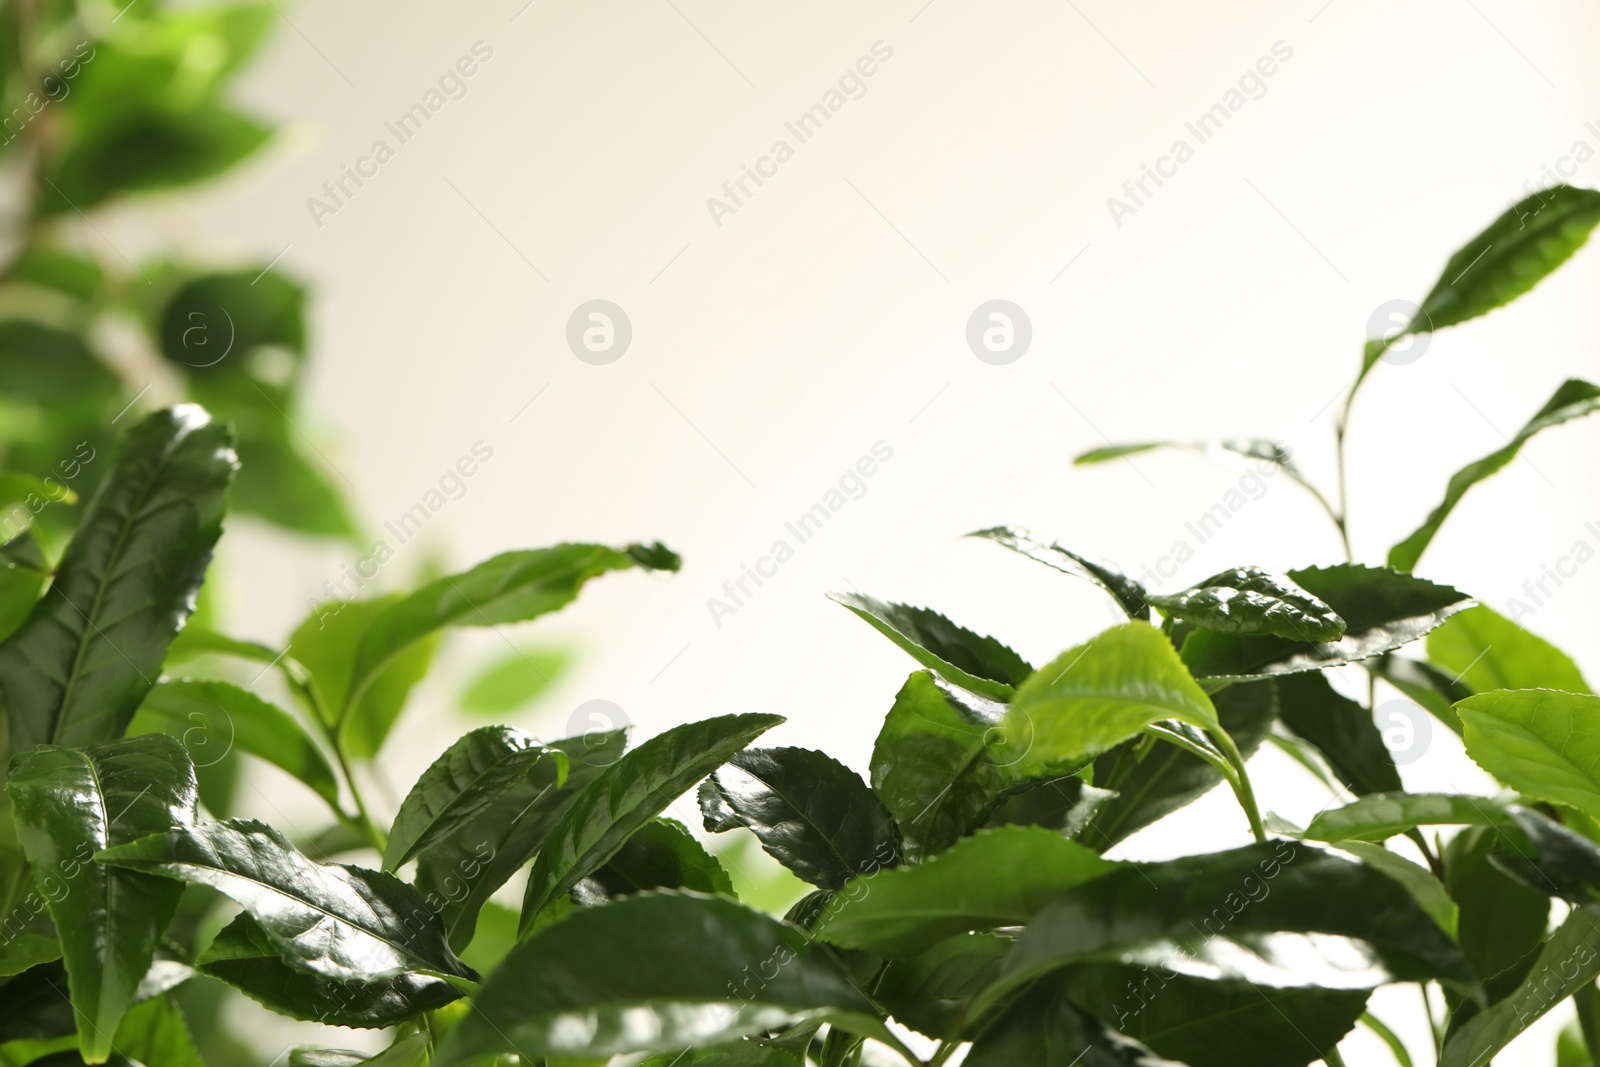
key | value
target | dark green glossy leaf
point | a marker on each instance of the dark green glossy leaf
(1426, 889)
(661, 854)
(1341, 729)
(458, 874)
(970, 660)
(1569, 961)
(1573, 400)
(1383, 815)
(1128, 594)
(1502, 921)
(1097, 695)
(473, 774)
(212, 718)
(931, 766)
(70, 804)
(1216, 908)
(628, 794)
(1042, 1028)
(652, 973)
(1541, 743)
(811, 813)
(36, 1005)
(740, 1054)
(1216, 1023)
(1249, 600)
(1064, 803)
(326, 644)
(1529, 241)
(1488, 651)
(899, 912)
(1167, 778)
(930, 992)
(513, 587)
(247, 959)
(1382, 610)
(341, 922)
(76, 670)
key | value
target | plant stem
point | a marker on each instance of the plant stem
(1332, 1058)
(946, 1049)
(1242, 788)
(1342, 518)
(330, 734)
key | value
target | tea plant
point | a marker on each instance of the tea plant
(962, 903)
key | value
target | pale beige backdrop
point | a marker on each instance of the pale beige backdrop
(774, 345)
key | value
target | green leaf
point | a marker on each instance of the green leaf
(247, 959)
(211, 718)
(1428, 891)
(1214, 910)
(628, 794)
(473, 774)
(76, 670)
(1092, 697)
(512, 587)
(25, 951)
(280, 483)
(1382, 610)
(156, 1032)
(930, 992)
(56, 268)
(1516, 252)
(931, 765)
(1542, 743)
(1341, 729)
(1428, 686)
(1383, 815)
(36, 1005)
(661, 854)
(1502, 921)
(1167, 777)
(1128, 594)
(1042, 1028)
(326, 645)
(1574, 399)
(1488, 651)
(1064, 803)
(216, 319)
(341, 922)
(459, 874)
(811, 813)
(1568, 961)
(1216, 1023)
(1249, 600)
(70, 804)
(898, 912)
(653, 973)
(739, 1054)
(970, 660)
(23, 570)
(514, 681)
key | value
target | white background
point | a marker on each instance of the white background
(829, 313)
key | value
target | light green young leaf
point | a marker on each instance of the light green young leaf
(1542, 743)
(898, 912)
(1101, 693)
(1488, 651)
